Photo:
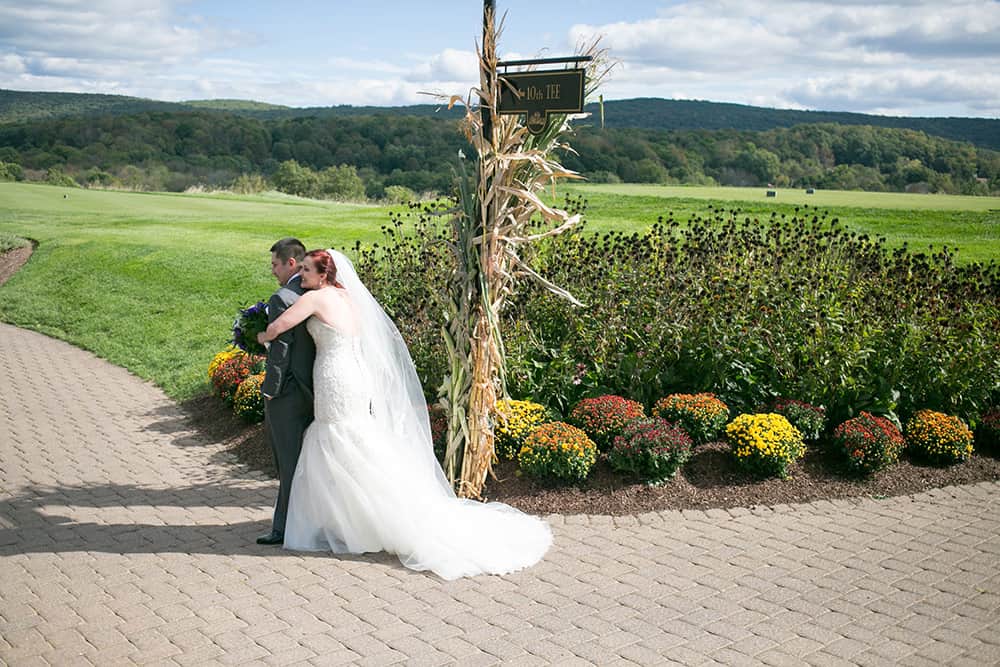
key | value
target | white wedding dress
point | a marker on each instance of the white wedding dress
(367, 479)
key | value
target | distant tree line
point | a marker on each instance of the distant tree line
(649, 113)
(354, 157)
(823, 155)
(661, 114)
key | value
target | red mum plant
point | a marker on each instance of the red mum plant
(230, 373)
(868, 443)
(651, 449)
(604, 417)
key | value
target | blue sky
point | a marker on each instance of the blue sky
(910, 57)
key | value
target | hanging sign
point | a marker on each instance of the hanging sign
(538, 94)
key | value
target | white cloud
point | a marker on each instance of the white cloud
(113, 30)
(354, 65)
(912, 56)
(905, 56)
(12, 64)
(448, 65)
(907, 88)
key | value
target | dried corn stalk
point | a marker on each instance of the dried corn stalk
(490, 226)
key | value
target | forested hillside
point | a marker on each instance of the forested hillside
(660, 114)
(173, 150)
(645, 113)
(20, 106)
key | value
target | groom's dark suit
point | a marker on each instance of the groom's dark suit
(288, 390)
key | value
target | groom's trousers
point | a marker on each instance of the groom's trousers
(287, 416)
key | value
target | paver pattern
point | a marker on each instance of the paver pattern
(125, 538)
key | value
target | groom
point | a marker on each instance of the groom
(287, 387)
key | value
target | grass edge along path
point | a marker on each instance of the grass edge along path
(151, 281)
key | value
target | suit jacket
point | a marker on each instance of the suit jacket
(290, 356)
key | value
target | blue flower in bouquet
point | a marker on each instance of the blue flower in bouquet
(250, 322)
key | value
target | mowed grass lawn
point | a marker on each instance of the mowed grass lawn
(151, 282)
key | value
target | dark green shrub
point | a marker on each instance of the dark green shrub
(809, 419)
(742, 307)
(988, 430)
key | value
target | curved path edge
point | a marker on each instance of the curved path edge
(125, 538)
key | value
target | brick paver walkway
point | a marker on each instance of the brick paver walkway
(124, 538)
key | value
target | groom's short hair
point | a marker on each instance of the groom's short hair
(289, 248)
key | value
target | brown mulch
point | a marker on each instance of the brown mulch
(12, 260)
(709, 479)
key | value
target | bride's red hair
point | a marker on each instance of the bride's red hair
(325, 266)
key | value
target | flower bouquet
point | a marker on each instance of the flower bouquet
(250, 322)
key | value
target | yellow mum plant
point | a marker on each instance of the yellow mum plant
(702, 415)
(248, 402)
(557, 451)
(938, 438)
(515, 420)
(765, 444)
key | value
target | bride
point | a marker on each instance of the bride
(367, 479)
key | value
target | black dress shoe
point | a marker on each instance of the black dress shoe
(274, 537)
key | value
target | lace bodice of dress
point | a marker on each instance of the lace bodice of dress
(339, 382)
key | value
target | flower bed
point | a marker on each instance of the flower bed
(515, 420)
(248, 402)
(229, 373)
(729, 302)
(221, 357)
